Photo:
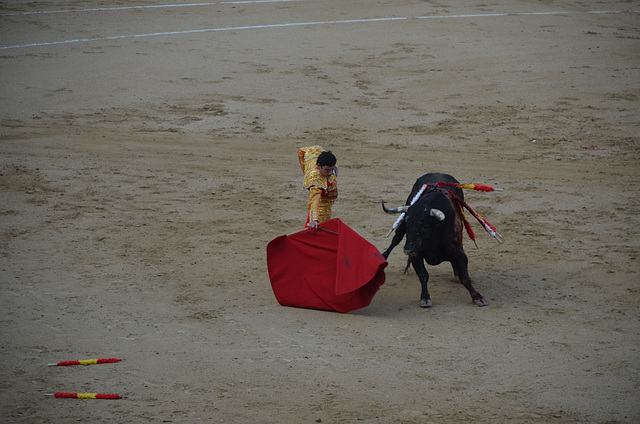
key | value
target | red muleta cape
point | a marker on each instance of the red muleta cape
(322, 270)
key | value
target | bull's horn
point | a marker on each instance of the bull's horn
(437, 214)
(401, 209)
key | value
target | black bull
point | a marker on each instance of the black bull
(434, 230)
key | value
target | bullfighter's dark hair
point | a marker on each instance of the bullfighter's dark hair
(327, 159)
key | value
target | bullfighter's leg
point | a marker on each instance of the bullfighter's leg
(423, 275)
(460, 263)
(397, 238)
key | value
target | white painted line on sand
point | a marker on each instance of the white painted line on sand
(156, 6)
(286, 25)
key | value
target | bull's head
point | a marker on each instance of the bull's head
(419, 223)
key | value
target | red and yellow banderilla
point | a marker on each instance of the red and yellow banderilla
(84, 395)
(86, 362)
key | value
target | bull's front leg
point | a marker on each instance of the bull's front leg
(461, 263)
(397, 238)
(423, 275)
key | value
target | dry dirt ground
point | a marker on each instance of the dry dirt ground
(148, 155)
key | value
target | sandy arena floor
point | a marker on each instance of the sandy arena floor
(148, 155)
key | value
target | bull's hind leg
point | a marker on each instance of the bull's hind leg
(455, 271)
(423, 275)
(397, 238)
(460, 263)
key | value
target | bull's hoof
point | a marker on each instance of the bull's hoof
(479, 300)
(425, 303)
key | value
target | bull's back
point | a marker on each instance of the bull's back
(434, 178)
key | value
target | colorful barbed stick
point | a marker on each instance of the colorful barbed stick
(466, 224)
(477, 187)
(84, 395)
(86, 362)
(488, 227)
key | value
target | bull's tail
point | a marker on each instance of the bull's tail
(408, 265)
